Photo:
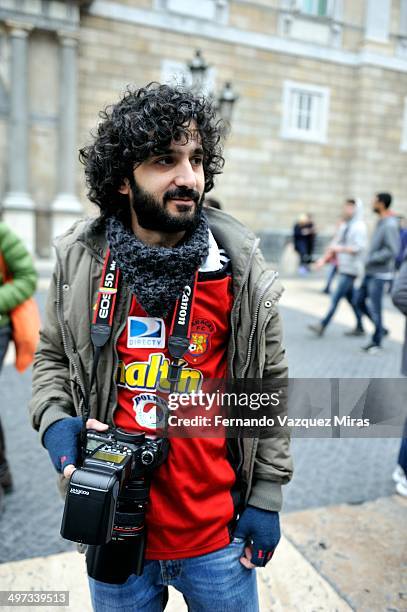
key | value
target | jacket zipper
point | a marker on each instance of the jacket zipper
(234, 309)
(254, 325)
(67, 347)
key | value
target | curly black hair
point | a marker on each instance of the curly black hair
(144, 123)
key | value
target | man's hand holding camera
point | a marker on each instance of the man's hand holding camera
(62, 441)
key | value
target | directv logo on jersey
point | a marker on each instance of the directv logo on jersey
(145, 332)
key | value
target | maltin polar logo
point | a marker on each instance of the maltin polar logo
(150, 410)
(145, 332)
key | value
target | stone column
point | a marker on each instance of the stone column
(66, 207)
(18, 207)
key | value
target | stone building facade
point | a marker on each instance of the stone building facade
(321, 114)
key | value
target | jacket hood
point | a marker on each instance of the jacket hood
(359, 210)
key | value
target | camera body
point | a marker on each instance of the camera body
(107, 497)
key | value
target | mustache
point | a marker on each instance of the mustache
(182, 192)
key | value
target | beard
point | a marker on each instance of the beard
(152, 215)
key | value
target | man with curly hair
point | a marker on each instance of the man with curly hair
(212, 516)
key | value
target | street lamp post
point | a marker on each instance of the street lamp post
(198, 69)
(226, 99)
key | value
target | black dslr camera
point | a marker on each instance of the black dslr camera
(107, 498)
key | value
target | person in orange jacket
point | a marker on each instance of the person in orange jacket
(18, 280)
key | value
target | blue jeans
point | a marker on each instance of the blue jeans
(331, 275)
(344, 289)
(368, 301)
(216, 581)
(402, 460)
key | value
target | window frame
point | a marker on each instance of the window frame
(291, 132)
(298, 5)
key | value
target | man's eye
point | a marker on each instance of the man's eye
(197, 160)
(164, 161)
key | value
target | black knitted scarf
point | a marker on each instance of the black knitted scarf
(157, 275)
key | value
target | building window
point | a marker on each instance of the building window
(403, 146)
(305, 112)
(318, 8)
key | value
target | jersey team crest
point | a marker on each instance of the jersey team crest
(202, 330)
(150, 410)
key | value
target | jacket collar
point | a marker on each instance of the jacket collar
(237, 240)
(212, 262)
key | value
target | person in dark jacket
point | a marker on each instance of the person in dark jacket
(379, 269)
(304, 240)
(18, 280)
(400, 301)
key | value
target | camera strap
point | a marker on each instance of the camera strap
(180, 333)
(101, 327)
(103, 316)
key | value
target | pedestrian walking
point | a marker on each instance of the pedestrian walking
(348, 246)
(304, 240)
(399, 297)
(213, 510)
(17, 283)
(379, 269)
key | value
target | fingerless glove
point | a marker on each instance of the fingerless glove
(61, 440)
(262, 528)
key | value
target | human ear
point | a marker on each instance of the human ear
(125, 187)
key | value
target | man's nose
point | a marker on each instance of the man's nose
(185, 176)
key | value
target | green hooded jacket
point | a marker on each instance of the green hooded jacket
(20, 268)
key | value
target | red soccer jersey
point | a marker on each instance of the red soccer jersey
(190, 498)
